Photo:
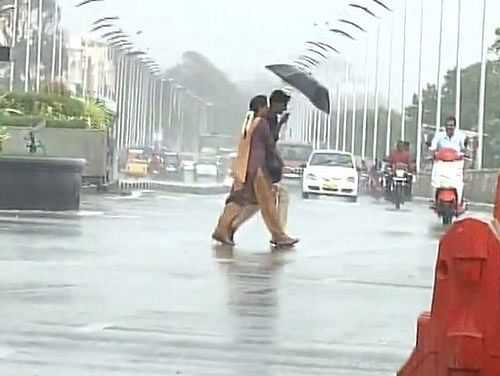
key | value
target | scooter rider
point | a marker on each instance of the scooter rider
(451, 138)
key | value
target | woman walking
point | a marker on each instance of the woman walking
(252, 182)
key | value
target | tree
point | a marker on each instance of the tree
(202, 77)
(469, 105)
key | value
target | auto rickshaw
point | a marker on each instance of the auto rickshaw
(137, 164)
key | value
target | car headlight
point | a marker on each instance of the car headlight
(312, 177)
(351, 179)
(400, 173)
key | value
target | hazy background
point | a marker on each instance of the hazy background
(241, 37)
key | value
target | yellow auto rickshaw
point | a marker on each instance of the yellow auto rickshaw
(137, 164)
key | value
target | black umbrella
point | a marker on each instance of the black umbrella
(305, 83)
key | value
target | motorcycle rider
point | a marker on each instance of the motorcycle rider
(400, 155)
(451, 138)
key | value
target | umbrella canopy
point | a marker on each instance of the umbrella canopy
(305, 83)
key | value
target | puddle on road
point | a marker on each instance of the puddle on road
(397, 234)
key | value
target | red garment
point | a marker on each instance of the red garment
(400, 157)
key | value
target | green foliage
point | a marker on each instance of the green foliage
(59, 111)
(31, 121)
(469, 107)
(50, 105)
(96, 115)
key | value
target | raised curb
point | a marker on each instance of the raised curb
(176, 187)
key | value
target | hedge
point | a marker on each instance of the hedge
(31, 103)
(31, 121)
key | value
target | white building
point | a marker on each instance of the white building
(91, 68)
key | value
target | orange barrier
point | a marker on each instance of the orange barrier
(461, 334)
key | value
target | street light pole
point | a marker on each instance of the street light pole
(439, 79)
(365, 105)
(375, 123)
(60, 59)
(54, 41)
(329, 131)
(353, 128)
(482, 94)
(403, 81)
(39, 49)
(344, 133)
(13, 44)
(337, 128)
(160, 115)
(389, 94)
(420, 89)
(28, 48)
(85, 68)
(458, 93)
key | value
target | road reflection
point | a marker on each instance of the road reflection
(253, 283)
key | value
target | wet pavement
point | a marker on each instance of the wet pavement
(134, 286)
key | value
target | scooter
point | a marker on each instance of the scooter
(447, 179)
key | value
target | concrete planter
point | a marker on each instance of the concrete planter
(87, 144)
(50, 184)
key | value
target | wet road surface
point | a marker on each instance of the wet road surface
(134, 286)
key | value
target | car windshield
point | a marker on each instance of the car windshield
(331, 159)
(295, 152)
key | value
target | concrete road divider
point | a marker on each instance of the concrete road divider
(461, 334)
(176, 187)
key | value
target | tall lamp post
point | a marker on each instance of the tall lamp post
(28, 47)
(39, 48)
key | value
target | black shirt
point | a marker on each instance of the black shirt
(274, 126)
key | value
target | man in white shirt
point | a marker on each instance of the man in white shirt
(450, 139)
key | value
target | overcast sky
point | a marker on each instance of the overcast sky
(241, 37)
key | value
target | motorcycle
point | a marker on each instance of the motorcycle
(397, 180)
(448, 181)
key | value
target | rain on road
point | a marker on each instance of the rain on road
(134, 286)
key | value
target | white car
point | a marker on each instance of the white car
(331, 173)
